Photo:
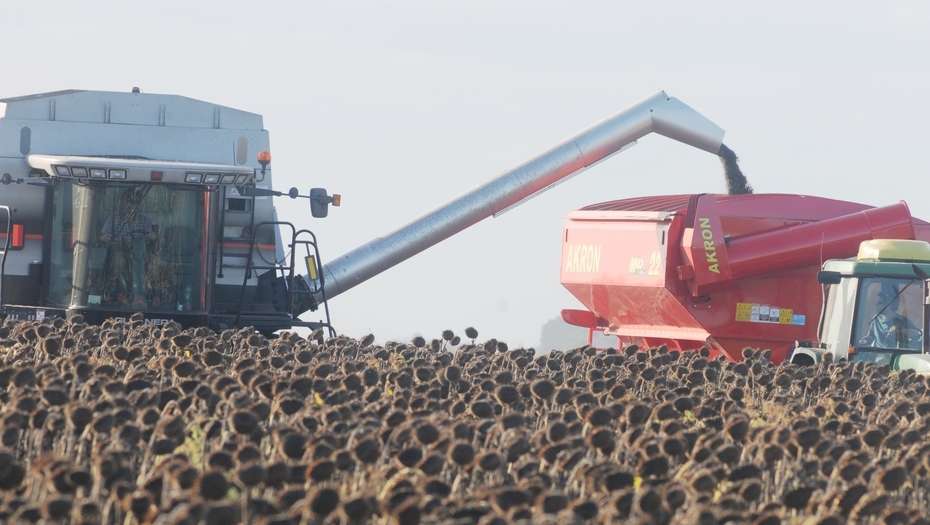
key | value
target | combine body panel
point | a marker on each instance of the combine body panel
(729, 271)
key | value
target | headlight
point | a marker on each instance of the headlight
(63, 171)
(118, 174)
(195, 178)
(211, 178)
(228, 179)
(78, 172)
(98, 173)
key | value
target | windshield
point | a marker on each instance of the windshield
(133, 247)
(889, 315)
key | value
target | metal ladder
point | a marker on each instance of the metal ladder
(221, 252)
(286, 270)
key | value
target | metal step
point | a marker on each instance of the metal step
(254, 267)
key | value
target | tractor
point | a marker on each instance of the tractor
(874, 308)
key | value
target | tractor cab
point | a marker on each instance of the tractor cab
(875, 307)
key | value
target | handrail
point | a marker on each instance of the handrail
(288, 270)
(6, 247)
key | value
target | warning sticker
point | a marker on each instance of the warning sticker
(743, 311)
(785, 316)
(765, 313)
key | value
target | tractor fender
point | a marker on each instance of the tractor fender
(806, 356)
(919, 363)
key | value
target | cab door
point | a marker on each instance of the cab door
(23, 265)
(839, 310)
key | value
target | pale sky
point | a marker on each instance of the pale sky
(403, 106)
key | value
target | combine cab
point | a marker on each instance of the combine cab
(875, 308)
(118, 203)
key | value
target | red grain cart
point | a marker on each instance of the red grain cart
(727, 271)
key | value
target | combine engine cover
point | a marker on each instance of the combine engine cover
(727, 271)
(126, 202)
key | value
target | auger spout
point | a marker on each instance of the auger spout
(659, 114)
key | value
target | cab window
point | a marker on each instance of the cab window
(889, 314)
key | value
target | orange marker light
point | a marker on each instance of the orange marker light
(18, 237)
(337, 199)
(264, 157)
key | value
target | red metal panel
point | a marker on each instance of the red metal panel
(795, 291)
(628, 252)
(705, 251)
(629, 285)
(814, 243)
(582, 318)
(669, 203)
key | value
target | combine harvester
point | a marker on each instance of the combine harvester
(124, 202)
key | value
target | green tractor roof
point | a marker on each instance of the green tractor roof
(885, 257)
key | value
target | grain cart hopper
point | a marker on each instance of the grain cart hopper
(115, 203)
(73, 160)
(875, 307)
(726, 271)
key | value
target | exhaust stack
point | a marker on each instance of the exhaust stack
(659, 114)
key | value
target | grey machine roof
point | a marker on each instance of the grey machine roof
(110, 107)
(130, 124)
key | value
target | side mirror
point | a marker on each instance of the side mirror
(828, 277)
(919, 272)
(320, 201)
